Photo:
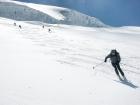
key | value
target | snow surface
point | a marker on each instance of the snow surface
(45, 13)
(55, 68)
(39, 67)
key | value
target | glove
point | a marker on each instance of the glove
(105, 60)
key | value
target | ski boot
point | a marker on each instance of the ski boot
(124, 78)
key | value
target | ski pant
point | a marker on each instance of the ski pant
(117, 68)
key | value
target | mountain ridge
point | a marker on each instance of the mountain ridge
(45, 13)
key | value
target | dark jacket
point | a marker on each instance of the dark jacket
(114, 57)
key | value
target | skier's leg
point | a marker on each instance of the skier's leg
(115, 67)
(120, 70)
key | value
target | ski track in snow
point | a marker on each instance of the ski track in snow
(76, 50)
(80, 51)
(80, 48)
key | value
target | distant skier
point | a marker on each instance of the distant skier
(20, 26)
(49, 30)
(14, 24)
(115, 61)
(43, 26)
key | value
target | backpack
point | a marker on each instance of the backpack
(115, 53)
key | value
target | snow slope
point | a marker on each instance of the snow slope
(42, 68)
(45, 13)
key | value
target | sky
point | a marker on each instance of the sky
(111, 12)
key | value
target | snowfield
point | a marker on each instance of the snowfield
(42, 67)
(55, 68)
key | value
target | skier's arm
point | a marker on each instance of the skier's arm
(107, 57)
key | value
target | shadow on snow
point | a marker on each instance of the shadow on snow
(127, 83)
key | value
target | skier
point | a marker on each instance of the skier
(20, 26)
(115, 61)
(14, 24)
(49, 30)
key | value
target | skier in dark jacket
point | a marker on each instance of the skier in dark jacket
(115, 61)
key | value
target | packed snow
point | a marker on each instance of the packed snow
(53, 65)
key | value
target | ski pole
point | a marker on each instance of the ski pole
(98, 65)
